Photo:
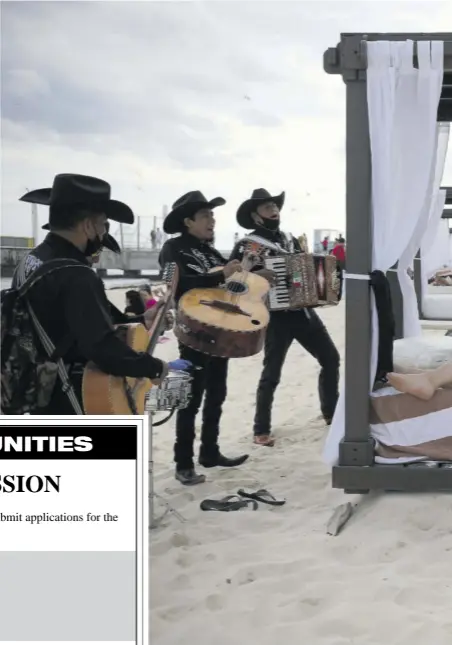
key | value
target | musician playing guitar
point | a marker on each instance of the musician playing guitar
(193, 251)
(261, 214)
(71, 303)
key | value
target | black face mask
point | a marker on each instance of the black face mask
(93, 246)
(270, 224)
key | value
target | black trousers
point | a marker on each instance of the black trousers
(210, 381)
(311, 333)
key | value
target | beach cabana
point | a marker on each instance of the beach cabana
(386, 198)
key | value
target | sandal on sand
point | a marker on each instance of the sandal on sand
(262, 496)
(264, 440)
(229, 503)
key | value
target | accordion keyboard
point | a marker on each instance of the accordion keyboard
(279, 295)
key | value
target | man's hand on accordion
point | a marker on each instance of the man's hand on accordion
(270, 276)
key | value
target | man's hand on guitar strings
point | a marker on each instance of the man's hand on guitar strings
(232, 267)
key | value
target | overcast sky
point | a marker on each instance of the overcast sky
(159, 98)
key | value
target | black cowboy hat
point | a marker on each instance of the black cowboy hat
(186, 206)
(72, 190)
(108, 241)
(259, 196)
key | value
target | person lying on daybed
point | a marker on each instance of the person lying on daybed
(424, 384)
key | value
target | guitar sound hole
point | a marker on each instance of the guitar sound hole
(236, 287)
(255, 322)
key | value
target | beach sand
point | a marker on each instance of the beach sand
(274, 576)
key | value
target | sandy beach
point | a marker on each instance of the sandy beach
(274, 575)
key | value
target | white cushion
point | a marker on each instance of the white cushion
(437, 306)
(440, 290)
(421, 353)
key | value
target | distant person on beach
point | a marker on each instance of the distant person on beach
(261, 215)
(325, 244)
(159, 238)
(303, 242)
(134, 303)
(70, 303)
(339, 252)
(147, 297)
(236, 238)
(153, 240)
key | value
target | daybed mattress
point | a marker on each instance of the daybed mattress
(439, 290)
(408, 429)
(437, 306)
(405, 428)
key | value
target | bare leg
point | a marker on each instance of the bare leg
(422, 385)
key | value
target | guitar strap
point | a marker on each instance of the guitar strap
(54, 353)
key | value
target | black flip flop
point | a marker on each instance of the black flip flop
(229, 503)
(262, 496)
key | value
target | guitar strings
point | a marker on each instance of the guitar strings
(236, 289)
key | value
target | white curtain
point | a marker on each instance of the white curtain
(402, 106)
(411, 322)
(435, 244)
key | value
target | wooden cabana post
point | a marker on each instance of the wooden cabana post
(356, 471)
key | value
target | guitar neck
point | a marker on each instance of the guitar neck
(158, 325)
(171, 277)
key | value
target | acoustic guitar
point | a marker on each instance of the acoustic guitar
(228, 321)
(105, 394)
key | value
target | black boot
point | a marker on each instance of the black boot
(189, 477)
(211, 460)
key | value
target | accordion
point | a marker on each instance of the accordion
(303, 280)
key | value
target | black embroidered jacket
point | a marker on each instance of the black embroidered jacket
(194, 259)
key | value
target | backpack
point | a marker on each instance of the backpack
(30, 363)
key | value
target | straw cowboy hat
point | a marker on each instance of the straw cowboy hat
(187, 206)
(82, 190)
(259, 196)
(108, 241)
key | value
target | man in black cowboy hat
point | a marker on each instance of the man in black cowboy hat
(71, 303)
(193, 251)
(261, 214)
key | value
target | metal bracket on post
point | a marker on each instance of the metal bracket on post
(348, 58)
(356, 453)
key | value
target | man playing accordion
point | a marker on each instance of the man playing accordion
(261, 215)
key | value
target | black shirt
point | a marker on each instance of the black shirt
(194, 259)
(73, 301)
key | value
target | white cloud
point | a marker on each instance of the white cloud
(160, 98)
